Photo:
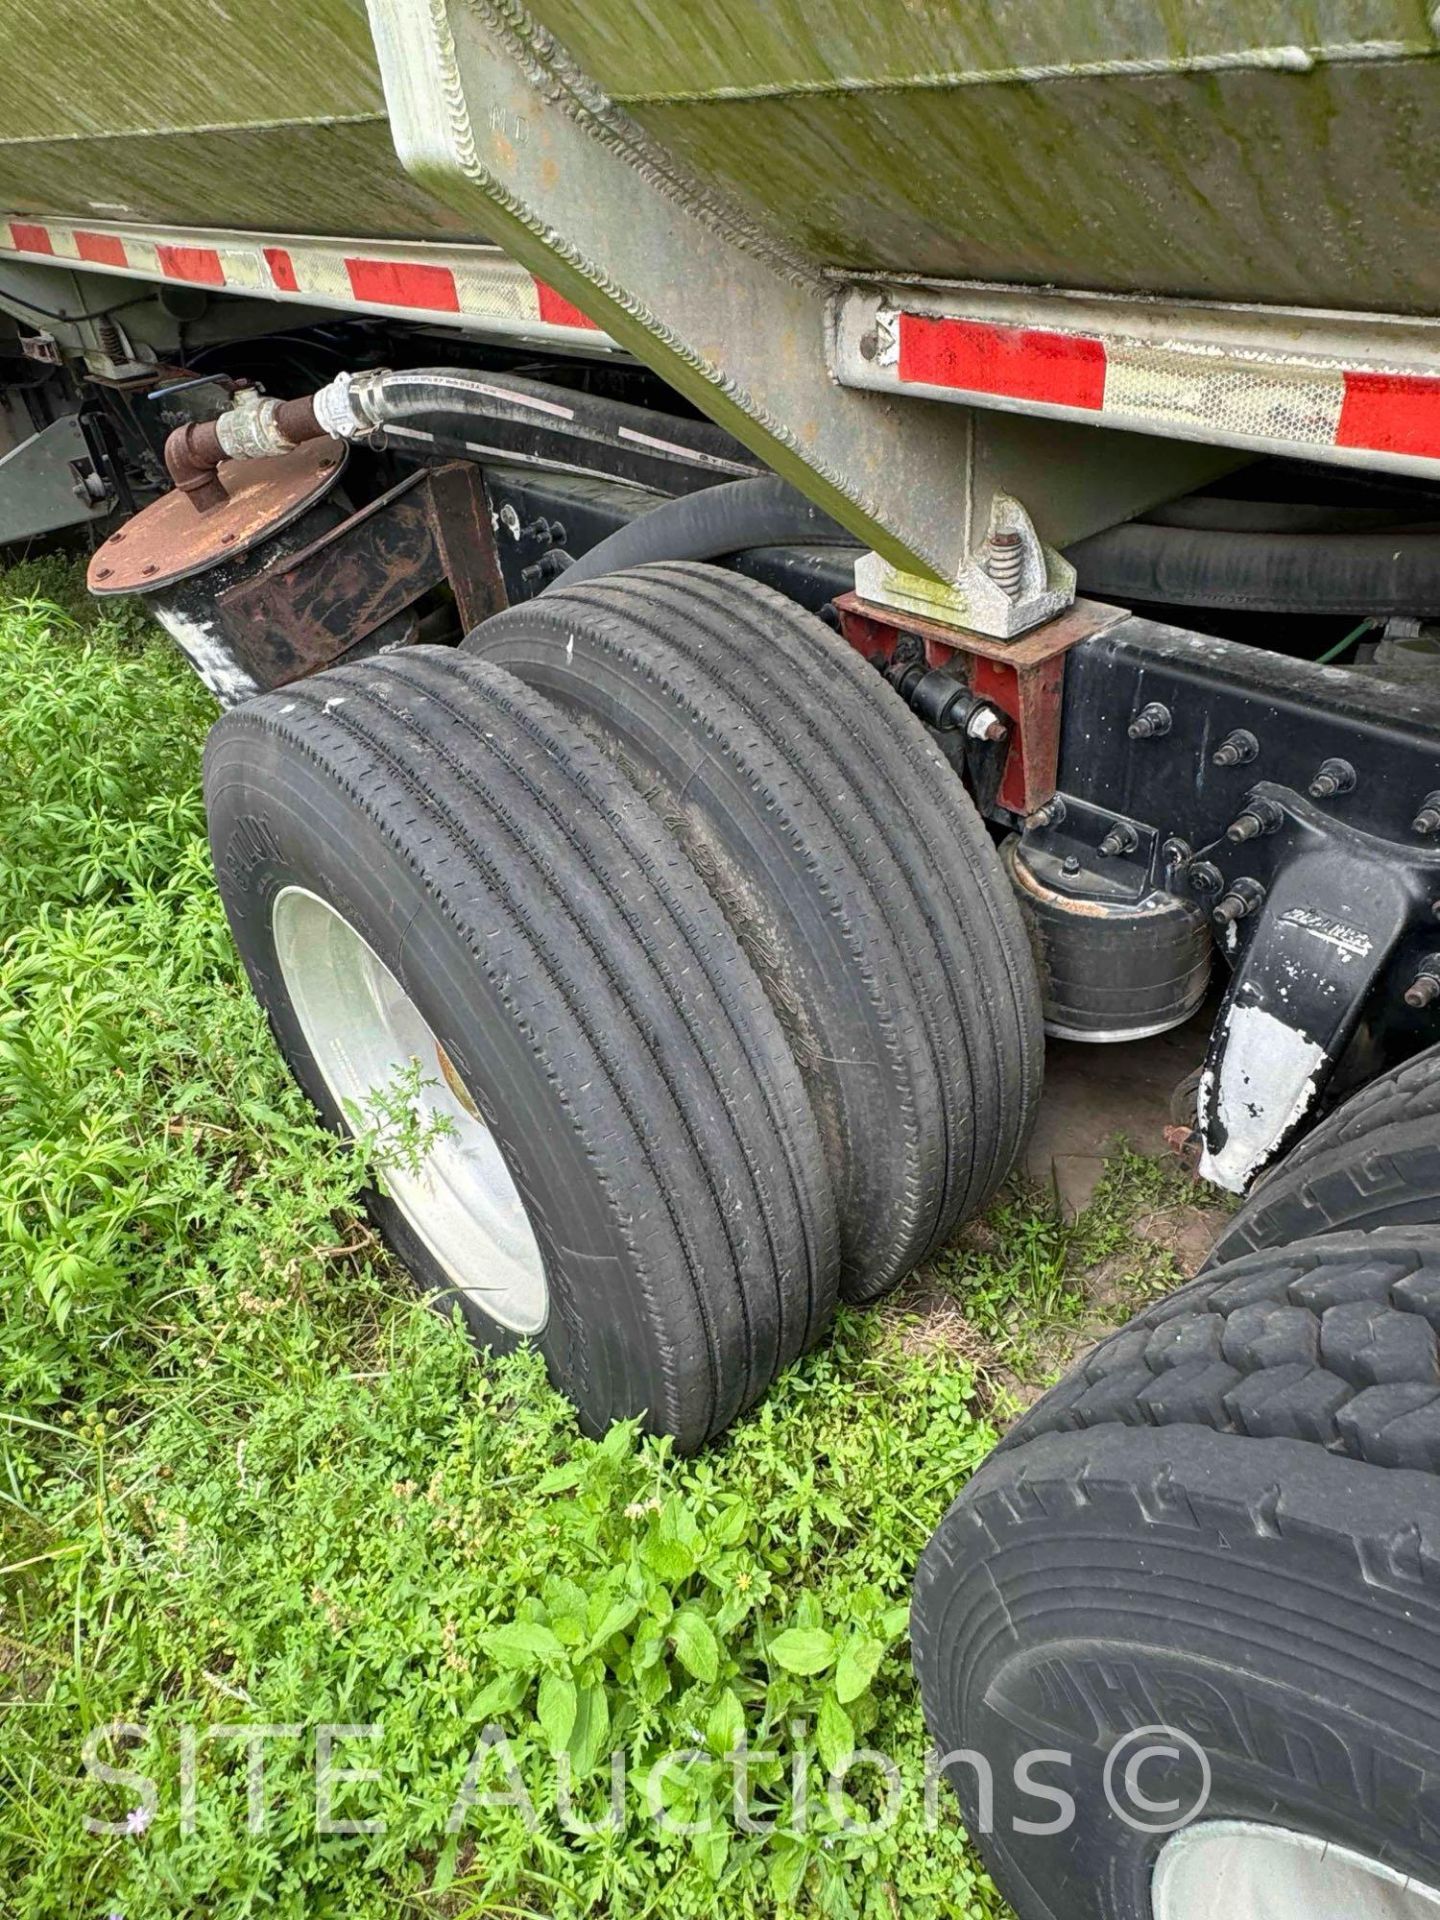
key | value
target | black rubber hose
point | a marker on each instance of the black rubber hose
(1378, 573)
(708, 525)
(599, 433)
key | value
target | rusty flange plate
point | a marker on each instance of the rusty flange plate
(168, 540)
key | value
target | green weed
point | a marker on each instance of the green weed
(247, 1481)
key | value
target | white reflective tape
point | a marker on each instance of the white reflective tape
(244, 269)
(497, 290)
(1223, 393)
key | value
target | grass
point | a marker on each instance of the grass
(247, 1481)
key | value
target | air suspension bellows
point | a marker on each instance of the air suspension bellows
(1117, 961)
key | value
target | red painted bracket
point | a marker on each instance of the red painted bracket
(1023, 678)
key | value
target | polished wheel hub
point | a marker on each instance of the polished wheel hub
(391, 1078)
(1240, 1870)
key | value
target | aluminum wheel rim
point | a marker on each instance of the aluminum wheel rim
(1245, 1871)
(364, 1032)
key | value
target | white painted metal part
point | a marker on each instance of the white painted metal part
(1269, 1076)
(1242, 1870)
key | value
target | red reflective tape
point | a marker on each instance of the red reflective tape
(397, 283)
(1022, 363)
(105, 249)
(282, 269)
(557, 311)
(1391, 413)
(198, 264)
(30, 239)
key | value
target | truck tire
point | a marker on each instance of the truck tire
(1240, 1633)
(1373, 1162)
(852, 866)
(422, 860)
(1331, 1340)
(1214, 1550)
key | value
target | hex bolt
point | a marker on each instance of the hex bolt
(1070, 864)
(1049, 815)
(1237, 749)
(1424, 989)
(985, 724)
(1122, 838)
(1332, 777)
(1204, 877)
(1427, 820)
(1243, 897)
(1260, 816)
(1151, 722)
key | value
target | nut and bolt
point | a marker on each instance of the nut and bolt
(1150, 722)
(1005, 562)
(1427, 820)
(1424, 989)
(1243, 897)
(1333, 776)
(1122, 838)
(1204, 877)
(1049, 815)
(1260, 816)
(1070, 864)
(1237, 749)
(985, 724)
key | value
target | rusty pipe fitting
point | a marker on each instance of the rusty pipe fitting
(192, 455)
(253, 428)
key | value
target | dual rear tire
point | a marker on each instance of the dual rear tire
(659, 1010)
